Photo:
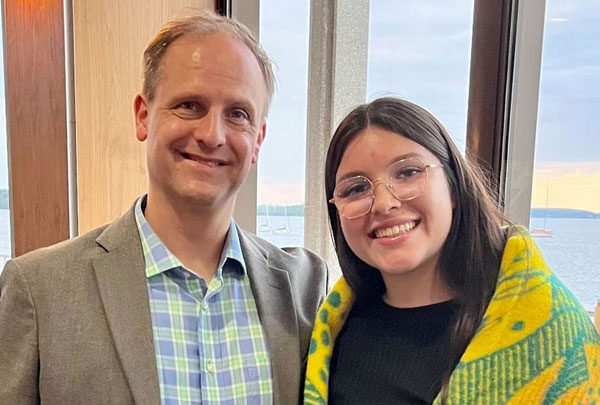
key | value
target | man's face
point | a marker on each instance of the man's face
(205, 125)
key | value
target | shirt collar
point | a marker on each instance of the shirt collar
(159, 259)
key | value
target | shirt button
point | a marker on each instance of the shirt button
(210, 367)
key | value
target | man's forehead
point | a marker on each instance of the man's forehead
(216, 55)
(216, 51)
(194, 47)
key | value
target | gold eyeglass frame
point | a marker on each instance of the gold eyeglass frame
(374, 183)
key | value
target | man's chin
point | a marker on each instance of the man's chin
(204, 197)
(206, 200)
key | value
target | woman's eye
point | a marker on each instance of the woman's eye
(408, 172)
(354, 190)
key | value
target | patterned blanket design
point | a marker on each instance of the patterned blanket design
(535, 344)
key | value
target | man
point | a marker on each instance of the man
(171, 303)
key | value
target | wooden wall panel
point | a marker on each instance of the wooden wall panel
(109, 39)
(36, 115)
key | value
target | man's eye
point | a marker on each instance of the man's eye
(187, 106)
(238, 114)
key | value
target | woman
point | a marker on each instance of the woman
(438, 301)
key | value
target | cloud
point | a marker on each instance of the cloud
(567, 185)
(557, 169)
(281, 193)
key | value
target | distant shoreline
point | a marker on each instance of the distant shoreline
(563, 213)
(298, 210)
(4, 199)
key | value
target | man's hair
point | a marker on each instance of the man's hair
(201, 22)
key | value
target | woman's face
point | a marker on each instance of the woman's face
(396, 237)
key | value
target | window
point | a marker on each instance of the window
(420, 51)
(565, 214)
(5, 231)
(284, 32)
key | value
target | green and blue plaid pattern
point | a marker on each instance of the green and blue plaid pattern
(210, 346)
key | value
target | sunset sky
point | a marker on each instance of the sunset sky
(574, 185)
(425, 59)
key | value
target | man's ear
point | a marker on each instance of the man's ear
(140, 108)
(259, 140)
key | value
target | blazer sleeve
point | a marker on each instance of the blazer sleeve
(19, 360)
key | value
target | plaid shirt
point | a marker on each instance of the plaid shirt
(210, 346)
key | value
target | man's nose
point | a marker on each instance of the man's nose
(384, 199)
(210, 130)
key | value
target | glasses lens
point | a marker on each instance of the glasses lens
(356, 208)
(353, 196)
(352, 189)
(408, 178)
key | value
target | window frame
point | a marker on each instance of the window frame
(502, 106)
(503, 141)
(517, 171)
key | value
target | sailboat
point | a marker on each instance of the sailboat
(285, 229)
(543, 232)
(266, 226)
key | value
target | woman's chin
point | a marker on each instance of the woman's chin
(394, 268)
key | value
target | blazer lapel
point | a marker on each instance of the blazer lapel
(275, 303)
(122, 285)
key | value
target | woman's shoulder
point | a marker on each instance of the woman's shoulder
(533, 320)
(520, 251)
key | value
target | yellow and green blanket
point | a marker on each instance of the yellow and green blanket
(535, 344)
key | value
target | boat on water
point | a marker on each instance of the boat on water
(266, 226)
(543, 232)
(285, 229)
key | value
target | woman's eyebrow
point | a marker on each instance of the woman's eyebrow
(355, 173)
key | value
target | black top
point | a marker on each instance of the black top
(387, 355)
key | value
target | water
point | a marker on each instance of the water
(5, 248)
(573, 251)
(281, 230)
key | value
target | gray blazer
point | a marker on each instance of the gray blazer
(75, 324)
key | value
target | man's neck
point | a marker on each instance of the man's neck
(195, 235)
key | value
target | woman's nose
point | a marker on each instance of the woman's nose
(384, 199)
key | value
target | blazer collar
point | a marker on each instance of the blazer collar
(123, 288)
(272, 291)
(122, 285)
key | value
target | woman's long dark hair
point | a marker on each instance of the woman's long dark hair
(471, 255)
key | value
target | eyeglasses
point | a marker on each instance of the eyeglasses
(407, 179)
